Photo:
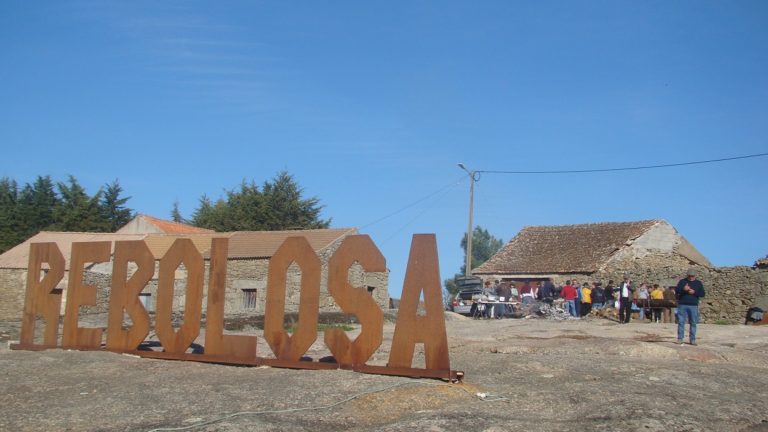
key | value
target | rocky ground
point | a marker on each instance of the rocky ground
(521, 374)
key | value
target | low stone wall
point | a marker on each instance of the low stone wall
(731, 291)
(12, 292)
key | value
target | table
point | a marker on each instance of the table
(478, 307)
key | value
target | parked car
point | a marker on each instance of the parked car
(462, 303)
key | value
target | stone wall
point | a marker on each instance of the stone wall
(730, 291)
(12, 292)
(252, 275)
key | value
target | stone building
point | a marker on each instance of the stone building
(649, 251)
(247, 266)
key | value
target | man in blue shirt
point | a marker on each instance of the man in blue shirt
(688, 292)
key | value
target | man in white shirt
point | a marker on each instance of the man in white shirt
(626, 294)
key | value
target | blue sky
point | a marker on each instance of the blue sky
(371, 105)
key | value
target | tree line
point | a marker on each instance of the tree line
(65, 206)
(45, 205)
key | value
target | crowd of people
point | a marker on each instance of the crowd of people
(624, 297)
(579, 299)
(675, 303)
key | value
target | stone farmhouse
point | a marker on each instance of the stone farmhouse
(594, 251)
(650, 251)
(247, 266)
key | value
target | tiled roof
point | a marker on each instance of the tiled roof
(18, 256)
(170, 227)
(263, 244)
(160, 243)
(563, 248)
(242, 244)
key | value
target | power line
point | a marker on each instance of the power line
(425, 210)
(626, 168)
(419, 201)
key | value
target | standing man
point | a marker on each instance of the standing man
(642, 299)
(626, 294)
(489, 292)
(526, 293)
(598, 296)
(670, 313)
(688, 291)
(503, 292)
(578, 298)
(569, 295)
(547, 291)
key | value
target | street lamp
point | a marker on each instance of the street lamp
(473, 177)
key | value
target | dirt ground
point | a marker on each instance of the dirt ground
(521, 374)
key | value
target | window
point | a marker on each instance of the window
(146, 301)
(249, 298)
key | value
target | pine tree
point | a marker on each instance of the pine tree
(36, 205)
(10, 229)
(113, 208)
(176, 214)
(245, 208)
(284, 207)
(212, 216)
(77, 211)
(278, 205)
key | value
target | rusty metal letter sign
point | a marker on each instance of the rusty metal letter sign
(422, 280)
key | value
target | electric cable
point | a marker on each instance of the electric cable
(626, 168)
(420, 214)
(420, 200)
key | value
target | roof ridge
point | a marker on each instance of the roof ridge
(596, 223)
(86, 232)
(296, 230)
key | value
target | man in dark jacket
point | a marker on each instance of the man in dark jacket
(548, 291)
(598, 296)
(688, 291)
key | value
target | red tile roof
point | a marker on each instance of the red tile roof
(170, 227)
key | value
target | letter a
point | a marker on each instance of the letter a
(422, 274)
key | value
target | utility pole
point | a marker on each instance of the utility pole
(472, 179)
